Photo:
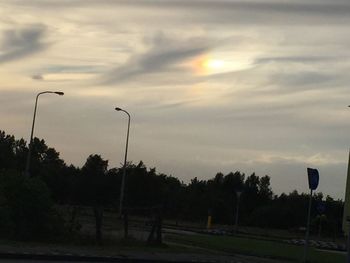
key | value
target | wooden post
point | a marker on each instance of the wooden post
(126, 223)
(153, 228)
(159, 226)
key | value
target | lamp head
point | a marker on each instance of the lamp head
(59, 93)
(118, 109)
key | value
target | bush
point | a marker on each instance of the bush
(26, 209)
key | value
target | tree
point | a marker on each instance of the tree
(95, 188)
(26, 207)
(7, 151)
(265, 192)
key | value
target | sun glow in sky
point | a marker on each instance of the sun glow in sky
(209, 65)
(214, 64)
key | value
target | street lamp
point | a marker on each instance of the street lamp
(238, 195)
(348, 222)
(122, 187)
(31, 134)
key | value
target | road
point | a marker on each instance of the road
(183, 258)
(34, 261)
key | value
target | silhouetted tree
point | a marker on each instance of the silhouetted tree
(95, 188)
(26, 208)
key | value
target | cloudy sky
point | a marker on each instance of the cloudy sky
(214, 85)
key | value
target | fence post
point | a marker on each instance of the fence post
(126, 223)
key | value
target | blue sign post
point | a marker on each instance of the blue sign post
(313, 178)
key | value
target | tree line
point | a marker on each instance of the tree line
(27, 204)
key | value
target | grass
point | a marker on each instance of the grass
(208, 244)
(86, 244)
(196, 243)
(261, 248)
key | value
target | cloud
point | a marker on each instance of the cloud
(319, 159)
(317, 6)
(18, 43)
(67, 72)
(300, 73)
(224, 11)
(302, 80)
(164, 55)
(37, 77)
(175, 104)
(296, 59)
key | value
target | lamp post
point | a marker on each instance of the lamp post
(32, 131)
(238, 195)
(348, 222)
(122, 187)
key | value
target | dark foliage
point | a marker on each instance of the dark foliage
(97, 186)
(26, 208)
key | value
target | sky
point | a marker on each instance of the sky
(211, 86)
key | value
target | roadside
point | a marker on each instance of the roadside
(180, 245)
(172, 252)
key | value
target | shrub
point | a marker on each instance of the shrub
(26, 208)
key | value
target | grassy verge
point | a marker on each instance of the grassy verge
(262, 248)
(87, 245)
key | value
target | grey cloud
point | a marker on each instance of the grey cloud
(300, 80)
(164, 55)
(322, 7)
(65, 69)
(297, 59)
(174, 104)
(224, 11)
(73, 69)
(19, 43)
(37, 77)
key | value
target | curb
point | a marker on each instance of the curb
(87, 258)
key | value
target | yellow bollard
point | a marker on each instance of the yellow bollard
(209, 222)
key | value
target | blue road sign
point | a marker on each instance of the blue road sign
(313, 177)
